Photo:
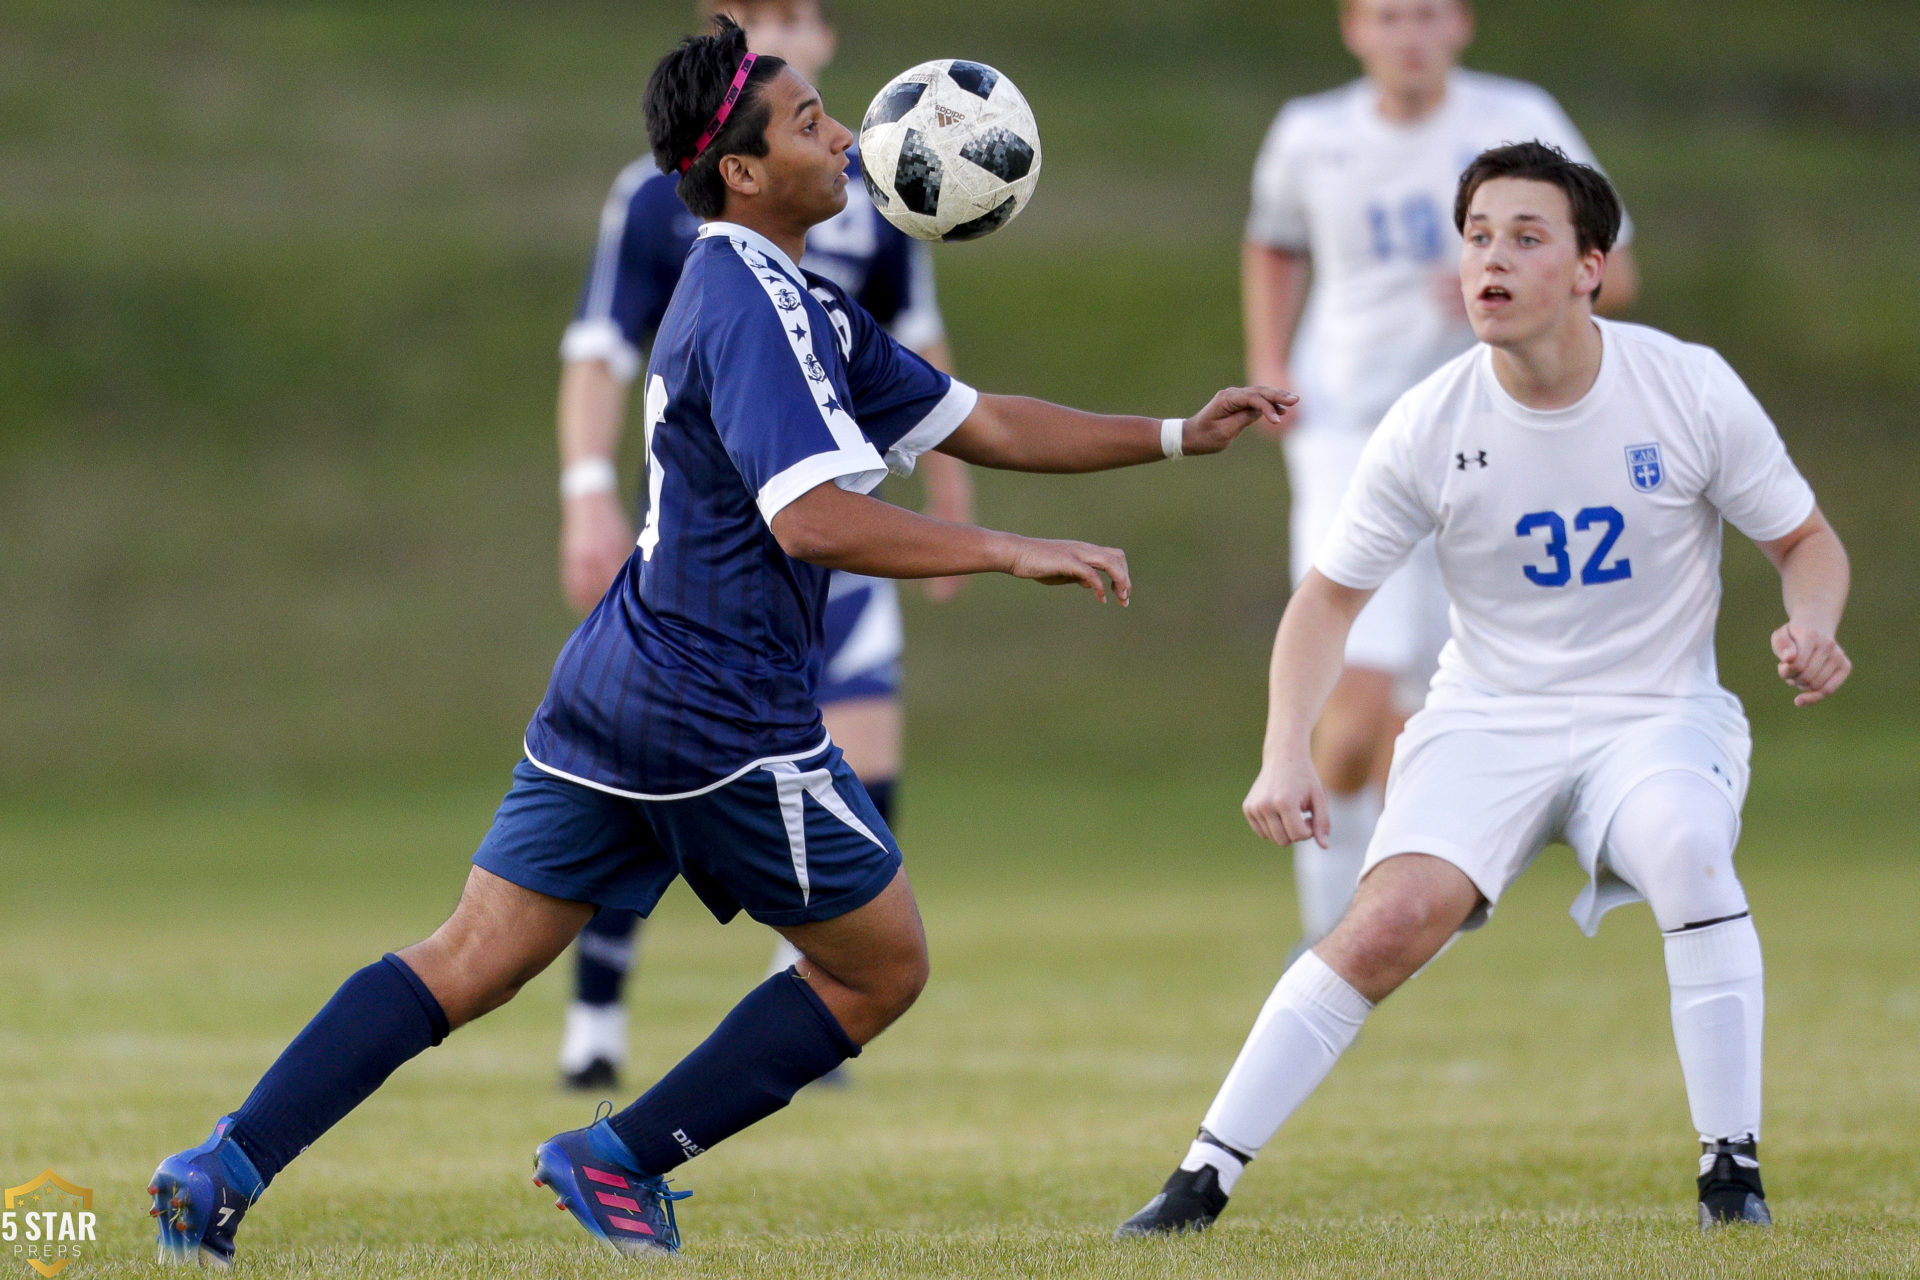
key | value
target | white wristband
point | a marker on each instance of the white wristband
(588, 475)
(1171, 429)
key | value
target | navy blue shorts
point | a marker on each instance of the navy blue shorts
(786, 843)
(863, 640)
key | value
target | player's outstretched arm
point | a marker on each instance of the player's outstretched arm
(1015, 433)
(828, 526)
(1814, 580)
(1286, 803)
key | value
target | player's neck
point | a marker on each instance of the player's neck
(1408, 104)
(789, 240)
(1554, 369)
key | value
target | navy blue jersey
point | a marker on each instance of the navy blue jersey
(701, 662)
(644, 235)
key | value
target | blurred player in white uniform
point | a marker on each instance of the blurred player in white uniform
(645, 234)
(1354, 188)
(1573, 475)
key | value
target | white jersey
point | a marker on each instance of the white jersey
(1371, 201)
(1581, 546)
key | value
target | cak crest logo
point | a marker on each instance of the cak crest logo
(47, 1223)
(1643, 467)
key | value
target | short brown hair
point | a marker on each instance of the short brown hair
(1596, 206)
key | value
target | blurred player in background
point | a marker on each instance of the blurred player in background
(1354, 188)
(1574, 475)
(645, 232)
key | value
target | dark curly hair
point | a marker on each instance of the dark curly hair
(1595, 204)
(683, 93)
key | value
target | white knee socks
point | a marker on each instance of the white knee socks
(1307, 1023)
(1718, 1010)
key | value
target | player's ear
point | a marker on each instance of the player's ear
(738, 172)
(1587, 274)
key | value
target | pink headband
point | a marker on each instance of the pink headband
(720, 116)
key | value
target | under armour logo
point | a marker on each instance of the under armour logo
(1460, 460)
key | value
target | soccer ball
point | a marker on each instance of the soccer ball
(950, 150)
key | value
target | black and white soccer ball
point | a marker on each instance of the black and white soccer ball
(950, 150)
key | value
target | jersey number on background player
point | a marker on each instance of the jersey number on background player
(1596, 569)
(656, 408)
(1419, 235)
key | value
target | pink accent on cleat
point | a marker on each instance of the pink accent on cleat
(617, 1202)
(629, 1224)
(605, 1179)
(538, 1183)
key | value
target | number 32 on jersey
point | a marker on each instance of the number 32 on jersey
(1559, 570)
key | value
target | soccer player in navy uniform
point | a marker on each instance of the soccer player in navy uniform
(680, 736)
(645, 232)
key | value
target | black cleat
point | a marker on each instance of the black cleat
(598, 1076)
(1730, 1188)
(1190, 1201)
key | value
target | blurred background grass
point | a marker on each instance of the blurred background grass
(281, 285)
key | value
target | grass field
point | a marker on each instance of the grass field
(1100, 949)
(280, 287)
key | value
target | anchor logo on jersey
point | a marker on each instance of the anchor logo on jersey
(1478, 458)
(786, 299)
(1643, 467)
(815, 370)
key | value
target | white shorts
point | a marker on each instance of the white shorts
(1403, 627)
(1484, 780)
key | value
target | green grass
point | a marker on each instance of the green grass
(1100, 947)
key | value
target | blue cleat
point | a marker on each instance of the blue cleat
(592, 1172)
(199, 1196)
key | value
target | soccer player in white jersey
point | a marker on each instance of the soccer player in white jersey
(1574, 474)
(1353, 188)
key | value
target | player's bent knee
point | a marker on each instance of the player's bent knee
(894, 988)
(1673, 839)
(1344, 757)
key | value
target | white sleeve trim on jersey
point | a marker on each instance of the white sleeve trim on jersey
(855, 470)
(855, 465)
(601, 339)
(942, 421)
(920, 325)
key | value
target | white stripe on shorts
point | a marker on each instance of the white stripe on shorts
(793, 787)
